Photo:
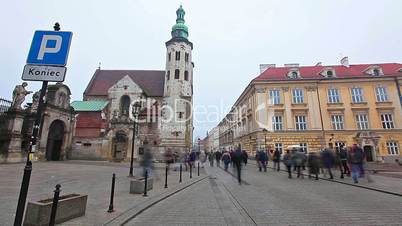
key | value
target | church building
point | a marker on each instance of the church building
(107, 122)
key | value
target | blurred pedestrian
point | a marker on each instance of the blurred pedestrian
(263, 158)
(355, 158)
(237, 160)
(287, 161)
(343, 157)
(218, 156)
(146, 161)
(211, 157)
(193, 157)
(328, 161)
(226, 159)
(203, 158)
(169, 158)
(298, 160)
(277, 159)
(245, 157)
(313, 163)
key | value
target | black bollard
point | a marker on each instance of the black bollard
(23, 193)
(54, 205)
(191, 171)
(146, 183)
(166, 173)
(198, 169)
(180, 173)
(112, 194)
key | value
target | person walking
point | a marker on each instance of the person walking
(193, 157)
(298, 160)
(237, 160)
(226, 159)
(245, 157)
(355, 158)
(287, 161)
(343, 157)
(313, 163)
(263, 158)
(218, 156)
(202, 158)
(277, 159)
(328, 161)
(211, 157)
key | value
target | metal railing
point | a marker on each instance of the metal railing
(4, 105)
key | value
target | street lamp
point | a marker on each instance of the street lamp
(135, 110)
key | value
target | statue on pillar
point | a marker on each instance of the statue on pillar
(19, 94)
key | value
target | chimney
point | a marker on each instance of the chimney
(264, 67)
(319, 64)
(291, 65)
(345, 61)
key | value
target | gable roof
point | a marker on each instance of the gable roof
(89, 105)
(151, 81)
(313, 72)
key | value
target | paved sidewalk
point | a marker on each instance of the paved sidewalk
(83, 177)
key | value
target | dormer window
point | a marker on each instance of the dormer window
(330, 73)
(294, 74)
(376, 72)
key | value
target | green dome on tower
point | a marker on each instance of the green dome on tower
(180, 30)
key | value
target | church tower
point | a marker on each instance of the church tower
(177, 110)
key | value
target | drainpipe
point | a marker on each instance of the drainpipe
(322, 123)
(398, 89)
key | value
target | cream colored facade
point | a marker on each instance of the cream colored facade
(365, 110)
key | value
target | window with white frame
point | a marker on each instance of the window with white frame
(387, 121)
(381, 94)
(339, 145)
(301, 123)
(357, 95)
(278, 146)
(393, 148)
(277, 122)
(333, 96)
(337, 122)
(274, 95)
(303, 147)
(297, 96)
(362, 121)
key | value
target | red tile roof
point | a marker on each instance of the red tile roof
(151, 81)
(313, 72)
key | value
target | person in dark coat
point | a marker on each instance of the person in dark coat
(226, 159)
(218, 156)
(328, 161)
(263, 158)
(287, 161)
(277, 160)
(237, 160)
(298, 160)
(313, 163)
(245, 157)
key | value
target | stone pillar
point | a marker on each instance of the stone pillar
(14, 128)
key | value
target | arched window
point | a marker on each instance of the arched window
(294, 74)
(330, 73)
(177, 74)
(186, 75)
(168, 75)
(177, 55)
(125, 105)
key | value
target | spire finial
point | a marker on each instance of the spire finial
(99, 66)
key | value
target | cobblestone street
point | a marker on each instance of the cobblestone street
(272, 199)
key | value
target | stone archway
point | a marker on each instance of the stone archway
(55, 140)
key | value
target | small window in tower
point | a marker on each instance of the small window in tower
(168, 75)
(176, 74)
(177, 55)
(186, 57)
(181, 114)
(186, 75)
(169, 56)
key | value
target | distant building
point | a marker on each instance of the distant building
(319, 106)
(165, 119)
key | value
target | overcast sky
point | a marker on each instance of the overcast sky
(231, 38)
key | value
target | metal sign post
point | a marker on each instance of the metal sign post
(44, 56)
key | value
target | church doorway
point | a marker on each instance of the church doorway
(368, 151)
(55, 140)
(119, 146)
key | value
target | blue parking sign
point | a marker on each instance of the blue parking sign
(50, 48)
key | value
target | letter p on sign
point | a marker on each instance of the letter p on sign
(50, 48)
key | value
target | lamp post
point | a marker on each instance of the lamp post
(265, 138)
(135, 110)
